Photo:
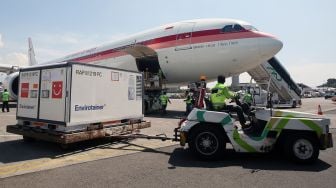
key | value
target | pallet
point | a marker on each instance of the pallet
(73, 137)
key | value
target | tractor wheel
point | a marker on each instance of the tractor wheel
(207, 142)
(302, 148)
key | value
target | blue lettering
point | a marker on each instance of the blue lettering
(89, 107)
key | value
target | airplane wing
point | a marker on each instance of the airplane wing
(5, 68)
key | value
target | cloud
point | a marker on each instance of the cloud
(312, 74)
(58, 38)
(15, 58)
(52, 46)
(11, 56)
(69, 40)
(1, 42)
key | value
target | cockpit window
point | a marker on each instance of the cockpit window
(227, 29)
(232, 28)
(238, 28)
(250, 28)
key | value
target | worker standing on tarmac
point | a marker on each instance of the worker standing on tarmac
(5, 99)
(219, 94)
(164, 100)
(189, 102)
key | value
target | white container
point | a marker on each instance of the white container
(71, 95)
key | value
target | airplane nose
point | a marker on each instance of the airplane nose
(269, 46)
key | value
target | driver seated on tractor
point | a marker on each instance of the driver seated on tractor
(218, 96)
(246, 102)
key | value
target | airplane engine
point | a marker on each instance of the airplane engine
(11, 83)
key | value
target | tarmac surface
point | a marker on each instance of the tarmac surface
(153, 163)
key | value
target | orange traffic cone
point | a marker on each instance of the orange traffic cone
(319, 110)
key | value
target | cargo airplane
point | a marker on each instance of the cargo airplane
(182, 51)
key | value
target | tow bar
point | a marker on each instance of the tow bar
(162, 136)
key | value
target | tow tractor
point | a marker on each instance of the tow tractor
(300, 136)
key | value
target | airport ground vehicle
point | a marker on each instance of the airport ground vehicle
(153, 88)
(333, 98)
(299, 135)
(272, 77)
(329, 95)
(260, 97)
(71, 102)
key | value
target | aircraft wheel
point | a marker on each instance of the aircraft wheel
(302, 148)
(207, 142)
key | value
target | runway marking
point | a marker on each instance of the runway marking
(10, 135)
(11, 115)
(106, 151)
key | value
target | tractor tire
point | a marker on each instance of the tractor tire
(28, 139)
(302, 148)
(207, 142)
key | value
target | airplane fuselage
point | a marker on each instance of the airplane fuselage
(186, 50)
(182, 51)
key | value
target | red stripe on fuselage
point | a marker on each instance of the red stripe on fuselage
(170, 41)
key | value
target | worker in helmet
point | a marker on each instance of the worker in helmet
(164, 101)
(218, 96)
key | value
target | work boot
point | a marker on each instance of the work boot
(248, 129)
(246, 125)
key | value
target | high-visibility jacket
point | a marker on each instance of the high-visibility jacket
(247, 98)
(188, 100)
(218, 99)
(164, 99)
(224, 90)
(5, 96)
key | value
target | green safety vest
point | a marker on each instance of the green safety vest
(5, 96)
(188, 100)
(164, 99)
(217, 101)
(224, 90)
(247, 98)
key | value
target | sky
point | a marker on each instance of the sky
(58, 28)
